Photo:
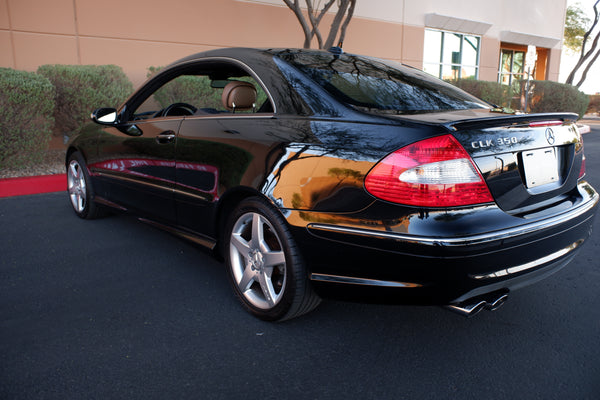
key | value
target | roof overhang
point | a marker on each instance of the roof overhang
(447, 23)
(527, 39)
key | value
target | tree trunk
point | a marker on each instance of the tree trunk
(347, 21)
(335, 25)
(585, 55)
(586, 69)
(346, 8)
(316, 20)
(295, 7)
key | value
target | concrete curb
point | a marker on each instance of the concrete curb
(583, 128)
(33, 185)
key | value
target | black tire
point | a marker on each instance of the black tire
(80, 190)
(264, 264)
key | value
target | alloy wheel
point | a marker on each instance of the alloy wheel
(76, 186)
(258, 262)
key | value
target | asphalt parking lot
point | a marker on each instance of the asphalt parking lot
(113, 308)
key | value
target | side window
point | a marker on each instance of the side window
(195, 90)
(206, 93)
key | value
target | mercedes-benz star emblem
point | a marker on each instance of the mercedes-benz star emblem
(550, 136)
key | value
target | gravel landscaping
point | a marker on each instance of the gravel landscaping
(54, 163)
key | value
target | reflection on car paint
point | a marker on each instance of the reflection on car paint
(198, 177)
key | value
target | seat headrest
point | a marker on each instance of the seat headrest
(239, 95)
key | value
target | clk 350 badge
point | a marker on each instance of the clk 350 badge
(505, 141)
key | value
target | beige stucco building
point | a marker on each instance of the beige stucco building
(448, 38)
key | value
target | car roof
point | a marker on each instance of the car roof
(249, 54)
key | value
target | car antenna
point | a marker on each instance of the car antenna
(337, 50)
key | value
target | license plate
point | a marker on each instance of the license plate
(540, 166)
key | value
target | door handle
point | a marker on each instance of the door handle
(165, 137)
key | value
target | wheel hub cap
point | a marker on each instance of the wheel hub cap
(256, 260)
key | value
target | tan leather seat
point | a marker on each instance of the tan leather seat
(238, 95)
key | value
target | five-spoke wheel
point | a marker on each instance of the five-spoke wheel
(80, 188)
(76, 186)
(265, 266)
(257, 260)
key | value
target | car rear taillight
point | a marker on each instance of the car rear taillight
(435, 172)
(582, 170)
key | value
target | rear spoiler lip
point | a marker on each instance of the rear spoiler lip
(505, 120)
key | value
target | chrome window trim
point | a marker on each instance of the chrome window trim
(133, 99)
(235, 61)
(465, 240)
(228, 116)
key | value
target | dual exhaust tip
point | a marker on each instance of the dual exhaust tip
(470, 307)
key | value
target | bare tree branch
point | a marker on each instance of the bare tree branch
(586, 69)
(337, 20)
(347, 21)
(326, 8)
(345, 8)
(314, 23)
(585, 55)
(295, 7)
(587, 34)
(316, 20)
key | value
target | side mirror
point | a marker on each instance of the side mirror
(104, 116)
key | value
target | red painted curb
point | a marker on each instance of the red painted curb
(33, 185)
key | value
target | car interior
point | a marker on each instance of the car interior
(228, 91)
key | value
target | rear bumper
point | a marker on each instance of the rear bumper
(390, 265)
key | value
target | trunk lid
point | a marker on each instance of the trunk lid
(529, 162)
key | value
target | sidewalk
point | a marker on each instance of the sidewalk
(585, 122)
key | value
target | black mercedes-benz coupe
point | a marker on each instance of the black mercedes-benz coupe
(317, 173)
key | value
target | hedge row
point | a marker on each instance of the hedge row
(26, 117)
(492, 92)
(594, 106)
(82, 88)
(547, 96)
(544, 96)
(58, 98)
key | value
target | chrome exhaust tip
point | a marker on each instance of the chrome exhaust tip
(471, 307)
(493, 306)
(467, 310)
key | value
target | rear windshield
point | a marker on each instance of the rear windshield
(378, 86)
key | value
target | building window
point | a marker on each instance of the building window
(451, 55)
(511, 66)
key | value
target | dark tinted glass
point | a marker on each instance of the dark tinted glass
(377, 86)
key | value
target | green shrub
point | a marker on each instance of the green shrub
(548, 96)
(544, 96)
(594, 106)
(82, 88)
(492, 92)
(26, 117)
